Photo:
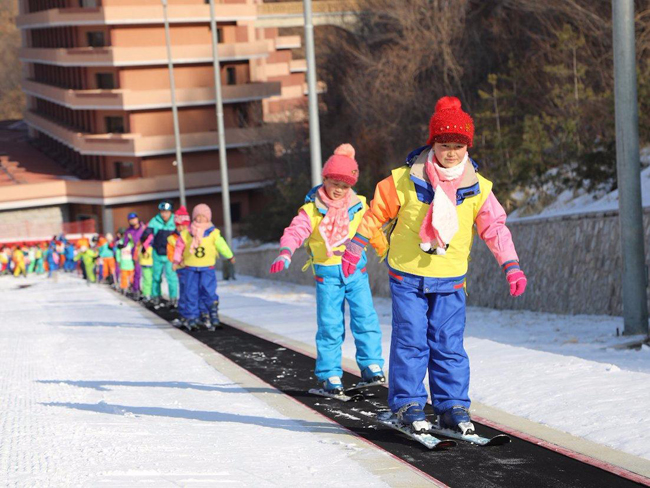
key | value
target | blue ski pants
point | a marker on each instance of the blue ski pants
(198, 291)
(332, 291)
(162, 264)
(428, 327)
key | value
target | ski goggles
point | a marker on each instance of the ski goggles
(165, 206)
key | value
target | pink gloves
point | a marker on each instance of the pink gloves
(352, 255)
(516, 278)
(282, 262)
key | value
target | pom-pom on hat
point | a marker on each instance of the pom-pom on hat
(202, 209)
(181, 216)
(341, 166)
(449, 123)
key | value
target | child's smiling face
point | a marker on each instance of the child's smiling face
(335, 189)
(449, 154)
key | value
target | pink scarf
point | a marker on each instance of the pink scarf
(441, 222)
(197, 230)
(335, 226)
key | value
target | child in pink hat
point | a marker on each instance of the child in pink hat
(195, 255)
(326, 222)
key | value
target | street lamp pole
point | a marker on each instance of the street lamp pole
(177, 136)
(314, 126)
(628, 167)
(223, 163)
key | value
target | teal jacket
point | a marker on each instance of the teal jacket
(161, 230)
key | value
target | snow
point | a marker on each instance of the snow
(91, 393)
(562, 371)
(568, 202)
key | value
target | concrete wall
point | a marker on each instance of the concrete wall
(573, 266)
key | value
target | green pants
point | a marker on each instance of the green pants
(31, 266)
(161, 264)
(146, 280)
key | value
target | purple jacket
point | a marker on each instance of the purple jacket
(135, 234)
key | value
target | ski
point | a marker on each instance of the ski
(431, 442)
(343, 397)
(497, 440)
(362, 385)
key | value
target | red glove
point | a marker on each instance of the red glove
(517, 280)
(281, 262)
(352, 254)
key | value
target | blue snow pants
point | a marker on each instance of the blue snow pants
(428, 327)
(198, 291)
(332, 291)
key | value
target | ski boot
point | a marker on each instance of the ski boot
(191, 324)
(179, 322)
(412, 415)
(173, 303)
(215, 323)
(373, 374)
(205, 320)
(457, 419)
(333, 385)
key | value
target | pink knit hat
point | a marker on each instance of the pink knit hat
(202, 209)
(341, 166)
(181, 216)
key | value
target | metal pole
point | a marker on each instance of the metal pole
(223, 163)
(177, 136)
(635, 298)
(314, 126)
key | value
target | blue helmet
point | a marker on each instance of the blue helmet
(165, 205)
(132, 215)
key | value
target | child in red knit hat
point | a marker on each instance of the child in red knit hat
(435, 200)
(328, 219)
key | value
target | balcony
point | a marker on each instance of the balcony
(135, 145)
(145, 56)
(135, 14)
(288, 42)
(298, 66)
(148, 99)
(117, 192)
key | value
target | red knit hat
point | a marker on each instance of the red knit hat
(450, 124)
(181, 216)
(341, 166)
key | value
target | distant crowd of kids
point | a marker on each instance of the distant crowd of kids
(173, 245)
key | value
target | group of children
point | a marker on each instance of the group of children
(182, 249)
(37, 257)
(421, 222)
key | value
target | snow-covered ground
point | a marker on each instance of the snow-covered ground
(93, 394)
(568, 202)
(561, 371)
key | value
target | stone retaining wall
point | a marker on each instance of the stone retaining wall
(572, 262)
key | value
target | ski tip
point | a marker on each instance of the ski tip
(446, 444)
(499, 440)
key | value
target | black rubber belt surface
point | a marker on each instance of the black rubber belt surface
(518, 464)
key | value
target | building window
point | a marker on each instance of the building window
(124, 169)
(231, 75)
(114, 125)
(95, 39)
(105, 81)
(242, 115)
(88, 3)
(235, 212)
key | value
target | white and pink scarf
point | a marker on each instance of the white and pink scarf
(335, 226)
(441, 222)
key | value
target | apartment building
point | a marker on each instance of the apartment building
(98, 101)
